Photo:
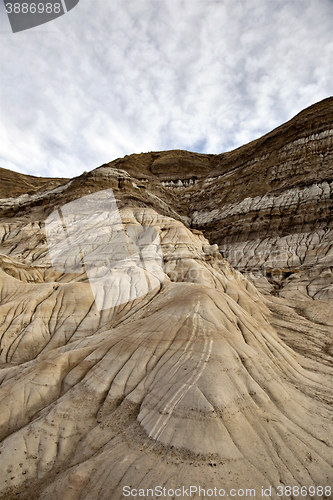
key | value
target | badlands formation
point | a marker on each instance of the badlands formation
(210, 364)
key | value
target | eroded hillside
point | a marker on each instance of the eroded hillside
(209, 376)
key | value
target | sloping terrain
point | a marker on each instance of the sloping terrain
(210, 377)
(14, 184)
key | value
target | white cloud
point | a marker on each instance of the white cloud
(113, 78)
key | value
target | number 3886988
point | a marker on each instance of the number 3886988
(33, 8)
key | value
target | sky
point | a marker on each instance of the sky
(116, 77)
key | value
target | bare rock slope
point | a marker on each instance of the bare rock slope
(213, 377)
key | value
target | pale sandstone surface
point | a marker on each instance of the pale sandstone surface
(214, 377)
(158, 390)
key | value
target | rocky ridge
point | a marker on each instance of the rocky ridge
(212, 376)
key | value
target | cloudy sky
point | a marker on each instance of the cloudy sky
(115, 77)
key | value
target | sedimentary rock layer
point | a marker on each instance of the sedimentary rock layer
(206, 376)
(188, 381)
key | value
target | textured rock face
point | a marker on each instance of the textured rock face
(200, 379)
(267, 205)
(296, 242)
(183, 383)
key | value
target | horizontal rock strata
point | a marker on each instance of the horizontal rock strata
(191, 374)
(218, 372)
